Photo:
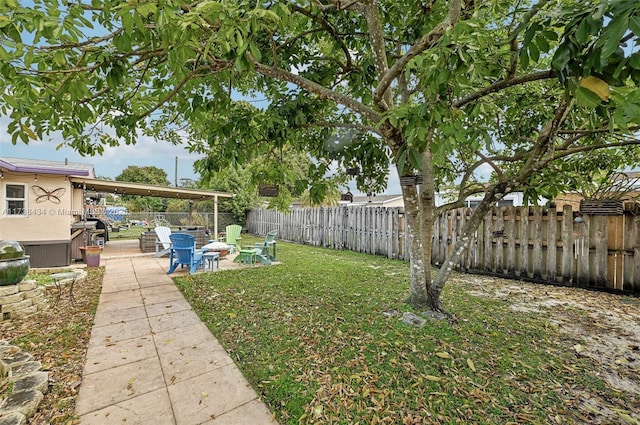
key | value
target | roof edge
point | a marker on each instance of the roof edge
(42, 170)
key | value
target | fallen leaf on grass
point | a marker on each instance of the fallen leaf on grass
(627, 418)
(317, 411)
(444, 355)
(433, 378)
(471, 365)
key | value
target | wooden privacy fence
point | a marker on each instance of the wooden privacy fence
(533, 243)
(371, 230)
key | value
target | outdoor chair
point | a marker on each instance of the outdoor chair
(232, 235)
(163, 243)
(183, 253)
(263, 249)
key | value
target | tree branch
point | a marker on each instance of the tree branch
(317, 89)
(503, 84)
(429, 40)
(376, 38)
(325, 25)
(327, 124)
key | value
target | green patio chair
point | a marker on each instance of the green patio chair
(232, 235)
(263, 249)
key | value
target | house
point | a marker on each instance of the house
(514, 199)
(387, 201)
(43, 205)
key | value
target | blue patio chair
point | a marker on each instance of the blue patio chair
(184, 253)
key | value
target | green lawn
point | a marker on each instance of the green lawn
(311, 336)
(133, 232)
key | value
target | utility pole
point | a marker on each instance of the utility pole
(176, 175)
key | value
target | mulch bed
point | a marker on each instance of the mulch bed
(58, 338)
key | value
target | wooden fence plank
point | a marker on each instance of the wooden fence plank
(552, 252)
(509, 233)
(536, 254)
(524, 242)
(566, 271)
(488, 239)
(583, 252)
(498, 237)
(600, 245)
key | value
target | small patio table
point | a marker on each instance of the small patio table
(210, 257)
(57, 280)
(246, 256)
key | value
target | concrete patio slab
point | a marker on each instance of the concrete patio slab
(151, 408)
(151, 360)
(120, 331)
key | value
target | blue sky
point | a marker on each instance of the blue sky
(146, 152)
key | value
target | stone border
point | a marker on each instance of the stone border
(27, 297)
(28, 384)
(21, 300)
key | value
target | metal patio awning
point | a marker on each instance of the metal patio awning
(127, 188)
(141, 189)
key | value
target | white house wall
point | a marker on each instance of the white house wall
(52, 205)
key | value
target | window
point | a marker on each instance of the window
(15, 199)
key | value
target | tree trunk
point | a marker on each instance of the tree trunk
(428, 214)
(419, 277)
(461, 244)
(420, 211)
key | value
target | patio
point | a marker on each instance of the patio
(131, 248)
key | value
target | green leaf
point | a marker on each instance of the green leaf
(634, 60)
(59, 58)
(146, 9)
(415, 159)
(634, 25)
(4, 55)
(582, 33)
(586, 97)
(561, 57)
(534, 52)
(613, 34)
(543, 44)
(402, 159)
(255, 51)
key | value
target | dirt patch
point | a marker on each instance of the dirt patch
(601, 326)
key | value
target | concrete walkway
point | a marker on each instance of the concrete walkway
(151, 361)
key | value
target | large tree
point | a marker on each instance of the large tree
(148, 175)
(487, 97)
